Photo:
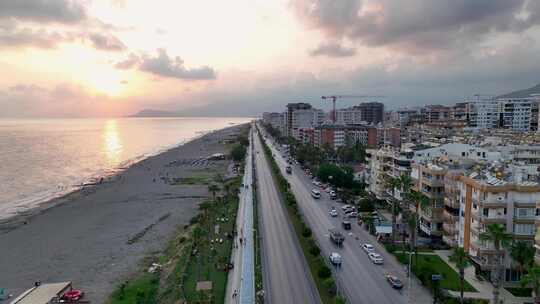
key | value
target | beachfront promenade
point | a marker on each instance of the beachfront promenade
(241, 280)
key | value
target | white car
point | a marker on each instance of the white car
(345, 207)
(316, 193)
(376, 258)
(333, 213)
(335, 258)
(368, 248)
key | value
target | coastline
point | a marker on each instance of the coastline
(97, 235)
(21, 216)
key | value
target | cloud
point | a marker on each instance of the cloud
(60, 11)
(332, 50)
(418, 24)
(106, 42)
(12, 36)
(130, 62)
(165, 66)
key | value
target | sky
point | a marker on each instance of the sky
(94, 58)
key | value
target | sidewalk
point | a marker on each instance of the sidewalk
(484, 288)
(241, 279)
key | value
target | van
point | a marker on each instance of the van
(315, 193)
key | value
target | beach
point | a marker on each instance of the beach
(97, 236)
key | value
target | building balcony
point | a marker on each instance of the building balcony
(450, 229)
(429, 231)
(499, 219)
(493, 204)
(449, 218)
(451, 202)
(450, 240)
(433, 182)
(525, 219)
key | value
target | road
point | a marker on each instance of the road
(287, 279)
(359, 279)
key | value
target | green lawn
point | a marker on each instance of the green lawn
(432, 264)
(141, 290)
(520, 292)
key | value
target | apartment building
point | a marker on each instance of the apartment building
(337, 135)
(435, 113)
(519, 114)
(384, 163)
(302, 116)
(274, 119)
(428, 178)
(501, 194)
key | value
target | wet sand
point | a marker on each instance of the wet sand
(97, 237)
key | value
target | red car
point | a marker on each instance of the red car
(73, 295)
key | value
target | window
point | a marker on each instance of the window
(463, 154)
(524, 229)
(485, 212)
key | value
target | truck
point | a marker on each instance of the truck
(336, 237)
(288, 169)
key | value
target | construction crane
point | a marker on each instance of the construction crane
(335, 97)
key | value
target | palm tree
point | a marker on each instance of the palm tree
(421, 201)
(405, 181)
(392, 183)
(213, 188)
(523, 254)
(496, 234)
(459, 257)
(532, 279)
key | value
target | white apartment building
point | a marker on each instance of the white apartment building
(349, 116)
(455, 151)
(497, 195)
(305, 119)
(519, 114)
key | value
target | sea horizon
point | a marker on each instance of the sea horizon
(46, 158)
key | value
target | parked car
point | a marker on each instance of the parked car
(333, 195)
(368, 248)
(316, 193)
(353, 214)
(288, 169)
(335, 258)
(73, 295)
(376, 258)
(346, 225)
(345, 207)
(394, 281)
(333, 213)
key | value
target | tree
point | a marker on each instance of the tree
(238, 152)
(341, 177)
(213, 188)
(459, 257)
(497, 235)
(532, 279)
(523, 254)
(421, 201)
(392, 183)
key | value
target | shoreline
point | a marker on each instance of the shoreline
(42, 205)
(97, 236)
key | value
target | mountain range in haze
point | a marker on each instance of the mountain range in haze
(201, 111)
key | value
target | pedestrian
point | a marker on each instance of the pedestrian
(235, 293)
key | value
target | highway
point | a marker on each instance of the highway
(358, 278)
(287, 279)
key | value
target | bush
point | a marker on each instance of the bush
(324, 272)
(314, 251)
(306, 232)
(238, 153)
(330, 285)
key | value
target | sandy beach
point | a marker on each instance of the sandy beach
(97, 236)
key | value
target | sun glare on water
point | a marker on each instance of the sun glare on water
(112, 143)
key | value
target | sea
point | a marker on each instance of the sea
(41, 159)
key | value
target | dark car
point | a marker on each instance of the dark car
(346, 225)
(394, 281)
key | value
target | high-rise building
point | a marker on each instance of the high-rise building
(291, 108)
(372, 112)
